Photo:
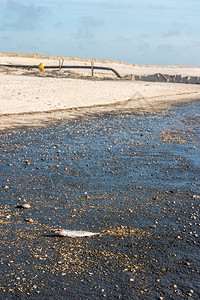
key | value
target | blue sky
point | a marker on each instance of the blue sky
(162, 32)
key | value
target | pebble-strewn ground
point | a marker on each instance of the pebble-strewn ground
(132, 177)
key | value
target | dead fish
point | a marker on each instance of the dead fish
(74, 233)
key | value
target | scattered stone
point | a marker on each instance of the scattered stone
(29, 220)
(23, 205)
(189, 294)
(152, 226)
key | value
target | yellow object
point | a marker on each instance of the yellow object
(41, 67)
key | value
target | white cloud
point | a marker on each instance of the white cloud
(26, 15)
(87, 28)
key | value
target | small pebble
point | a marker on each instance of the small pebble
(23, 205)
(29, 220)
(152, 226)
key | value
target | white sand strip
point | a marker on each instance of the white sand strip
(23, 94)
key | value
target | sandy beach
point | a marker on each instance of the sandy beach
(26, 94)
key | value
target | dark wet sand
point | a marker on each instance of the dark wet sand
(133, 177)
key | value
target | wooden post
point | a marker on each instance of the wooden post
(61, 63)
(92, 68)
